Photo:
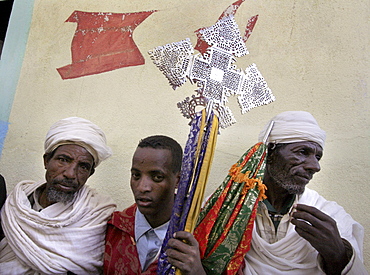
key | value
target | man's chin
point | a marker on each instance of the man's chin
(56, 195)
(295, 189)
(144, 210)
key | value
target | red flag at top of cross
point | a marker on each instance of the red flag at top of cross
(202, 46)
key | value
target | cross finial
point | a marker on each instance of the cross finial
(214, 71)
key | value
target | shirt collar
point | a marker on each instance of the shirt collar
(142, 226)
(286, 207)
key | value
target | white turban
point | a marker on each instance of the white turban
(294, 126)
(79, 131)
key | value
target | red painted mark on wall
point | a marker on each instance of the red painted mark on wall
(103, 42)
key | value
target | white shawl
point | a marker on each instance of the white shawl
(293, 254)
(60, 238)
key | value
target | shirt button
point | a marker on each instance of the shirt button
(152, 253)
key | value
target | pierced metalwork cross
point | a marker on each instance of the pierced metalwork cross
(214, 72)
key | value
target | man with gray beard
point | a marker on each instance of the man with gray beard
(57, 225)
(296, 230)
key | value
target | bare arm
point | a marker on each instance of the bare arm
(321, 231)
(184, 253)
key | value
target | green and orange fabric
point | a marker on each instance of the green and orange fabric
(224, 228)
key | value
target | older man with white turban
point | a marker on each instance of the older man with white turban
(297, 231)
(58, 226)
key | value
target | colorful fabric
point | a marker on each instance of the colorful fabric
(225, 223)
(121, 256)
(62, 237)
(197, 160)
(80, 131)
(294, 126)
(207, 145)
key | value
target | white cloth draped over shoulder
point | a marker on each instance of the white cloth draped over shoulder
(60, 238)
(294, 255)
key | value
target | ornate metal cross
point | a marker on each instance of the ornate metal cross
(214, 71)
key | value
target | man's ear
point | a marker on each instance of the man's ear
(269, 158)
(177, 179)
(271, 154)
(46, 160)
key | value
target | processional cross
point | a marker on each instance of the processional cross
(214, 71)
(217, 78)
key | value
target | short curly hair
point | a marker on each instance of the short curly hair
(165, 142)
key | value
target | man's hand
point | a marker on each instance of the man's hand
(184, 253)
(322, 233)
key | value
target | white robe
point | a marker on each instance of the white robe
(294, 255)
(60, 238)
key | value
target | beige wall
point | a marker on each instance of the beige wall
(313, 54)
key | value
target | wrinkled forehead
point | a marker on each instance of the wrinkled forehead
(310, 147)
(74, 151)
(306, 144)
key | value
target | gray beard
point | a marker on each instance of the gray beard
(281, 180)
(55, 195)
(292, 189)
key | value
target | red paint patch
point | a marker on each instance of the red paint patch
(103, 42)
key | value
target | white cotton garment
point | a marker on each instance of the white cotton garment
(294, 255)
(62, 237)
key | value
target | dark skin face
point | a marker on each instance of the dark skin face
(153, 184)
(289, 169)
(66, 171)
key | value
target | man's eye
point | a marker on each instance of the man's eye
(85, 167)
(61, 159)
(135, 176)
(158, 178)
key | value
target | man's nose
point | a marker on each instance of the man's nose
(144, 185)
(312, 163)
(70, 171)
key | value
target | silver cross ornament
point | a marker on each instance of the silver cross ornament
(214, 72)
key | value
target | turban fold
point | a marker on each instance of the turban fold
(79, 131)
(294, 126)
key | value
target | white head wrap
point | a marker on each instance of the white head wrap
(79, 131)
(294, 126)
